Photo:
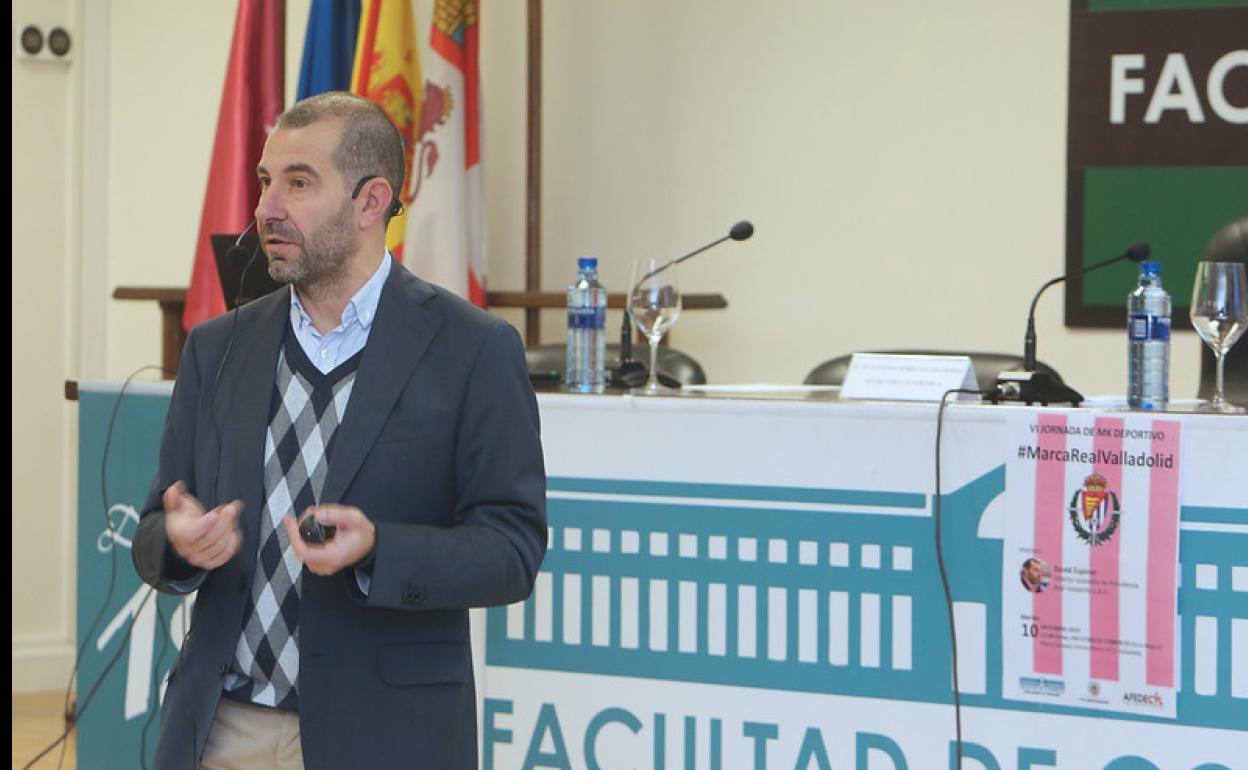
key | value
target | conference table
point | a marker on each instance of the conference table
(747, 581)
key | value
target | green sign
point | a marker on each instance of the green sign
(1157, 143)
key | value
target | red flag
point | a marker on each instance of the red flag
(250, 104)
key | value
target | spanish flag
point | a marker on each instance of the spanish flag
(387, 72)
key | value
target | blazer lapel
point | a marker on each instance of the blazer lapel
(247, 392)
(406, 322)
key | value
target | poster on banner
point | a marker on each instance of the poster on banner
(1090, 562)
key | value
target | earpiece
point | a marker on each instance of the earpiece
(396, 205)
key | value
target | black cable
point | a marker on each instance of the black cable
(125, 640)
(108, 524)
(940, 564)
(60, 760)
(212, 400)
(165, 634)
(71, 715)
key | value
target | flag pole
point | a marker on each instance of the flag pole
(533, 191)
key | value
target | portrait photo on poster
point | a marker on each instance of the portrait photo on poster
(1035, 575)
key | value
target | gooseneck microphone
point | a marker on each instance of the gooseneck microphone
(238, 256)
(628, 373)
(1136, 252)
(739, 232)
(1039, 387)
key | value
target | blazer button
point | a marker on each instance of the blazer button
(242, 585)
(222, 669)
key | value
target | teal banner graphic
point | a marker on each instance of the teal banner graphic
(741, 568)
(724, 614)
(128, 634)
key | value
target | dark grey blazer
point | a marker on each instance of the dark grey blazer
(440, 448)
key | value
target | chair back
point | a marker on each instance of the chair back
(676, 364)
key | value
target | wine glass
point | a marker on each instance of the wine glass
(1220, 314)
(654, 305)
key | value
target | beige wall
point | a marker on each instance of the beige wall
(903, 163)
(45, 176)
(110, 154)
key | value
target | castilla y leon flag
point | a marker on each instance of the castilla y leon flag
(447, 209)
(441, 236)
(250, 104)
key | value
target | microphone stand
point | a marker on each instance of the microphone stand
(1031, 386)
(630, 373)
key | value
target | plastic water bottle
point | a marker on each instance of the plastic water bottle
(1148, 334)
(587, 335)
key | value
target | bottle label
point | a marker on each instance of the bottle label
(1148, 328)
(587, 318)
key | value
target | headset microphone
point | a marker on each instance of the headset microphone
(238, 254)
(396, 204)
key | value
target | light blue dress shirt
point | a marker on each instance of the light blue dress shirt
(327, 352)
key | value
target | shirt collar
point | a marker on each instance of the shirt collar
(362, 307)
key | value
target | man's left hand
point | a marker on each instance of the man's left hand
(351, 542)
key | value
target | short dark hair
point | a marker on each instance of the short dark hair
(370, 145)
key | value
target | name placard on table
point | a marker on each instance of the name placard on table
(891, 377)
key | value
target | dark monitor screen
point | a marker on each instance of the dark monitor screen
(243, 281)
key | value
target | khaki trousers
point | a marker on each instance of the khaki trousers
(246, 737)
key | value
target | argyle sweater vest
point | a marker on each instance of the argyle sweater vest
(306, 410)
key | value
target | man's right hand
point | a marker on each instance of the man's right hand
(206, 540)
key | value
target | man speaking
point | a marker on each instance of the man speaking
(346, 467)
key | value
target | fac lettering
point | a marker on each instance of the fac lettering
(1175, 88)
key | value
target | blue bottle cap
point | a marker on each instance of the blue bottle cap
(1150, 269)
(587, 263)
